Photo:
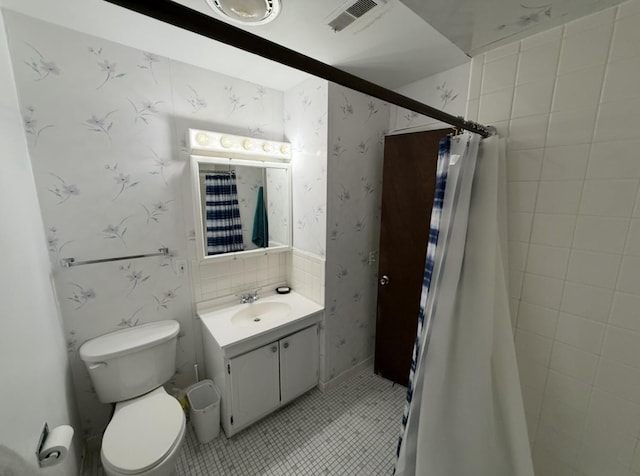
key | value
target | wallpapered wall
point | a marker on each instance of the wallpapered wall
(105, 125)
(305, 126)
(357, 125)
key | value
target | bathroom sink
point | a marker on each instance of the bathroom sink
(261, 313)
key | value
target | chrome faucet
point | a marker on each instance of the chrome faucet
(249, 297)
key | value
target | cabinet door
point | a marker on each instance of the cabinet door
(298, 363)
(255, 389)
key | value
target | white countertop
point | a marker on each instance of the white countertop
(217, 318)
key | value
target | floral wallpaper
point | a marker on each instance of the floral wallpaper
(305, 126)
(106, 130)
(357, 126)
(446, 91)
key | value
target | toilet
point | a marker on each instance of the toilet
(128, 368)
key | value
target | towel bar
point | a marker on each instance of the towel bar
(68, 262)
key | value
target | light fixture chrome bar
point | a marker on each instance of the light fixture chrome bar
(68, 262)
(189, 19)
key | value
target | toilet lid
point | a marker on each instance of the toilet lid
(142, 432)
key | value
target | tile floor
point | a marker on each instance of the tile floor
(351, 429)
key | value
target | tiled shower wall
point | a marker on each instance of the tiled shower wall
(568, 100)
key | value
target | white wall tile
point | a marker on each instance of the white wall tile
(499, 74)
(571, 127)
(603, 19)
(495, 106)
(554, 230)
(626, 37)
(532, 374)
(612, 160)
(625, 311)
(595, 269)
(575, 56)
(622, 80)
(518, 255)
(538, 320)
(613, 198)
(533, 98)
(633, 238)
(501, 52)
(520, 226)
(573, 362)
(579, 89)
(608, 412)
(542, 290)
(521, 196)
(586, 301)
(547, 260)
(553, 35)
(565, 418)
(629, 280)
(600, 233)
(620, 380)
(533, 346)
(618, 120)
(567, 389)
(579, 332)
(558, 197)
(539, 62)
(565, 162)
(528, 132)
(621, 346)
(524, 165)
(590, 219)
(475, 76)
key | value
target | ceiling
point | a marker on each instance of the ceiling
(390, 45)
(475, 26)
(393, 45)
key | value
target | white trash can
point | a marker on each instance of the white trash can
(204, 410)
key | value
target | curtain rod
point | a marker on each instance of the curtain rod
(188, 19)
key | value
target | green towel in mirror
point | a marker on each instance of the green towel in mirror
(260, 235)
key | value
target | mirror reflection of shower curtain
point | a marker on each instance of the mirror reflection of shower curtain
(223, 228)
(466, 415)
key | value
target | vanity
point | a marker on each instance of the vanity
(260, 355)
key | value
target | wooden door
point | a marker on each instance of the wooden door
(299, 358)
(255, 385)
(408, 186)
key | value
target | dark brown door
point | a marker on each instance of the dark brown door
(408, 186)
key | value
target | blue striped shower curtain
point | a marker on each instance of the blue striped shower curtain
(464, 414)
(222, 214)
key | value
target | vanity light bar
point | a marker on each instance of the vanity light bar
(227, 145)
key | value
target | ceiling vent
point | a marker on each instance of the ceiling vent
(350, 12)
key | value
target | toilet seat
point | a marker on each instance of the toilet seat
(142, 432)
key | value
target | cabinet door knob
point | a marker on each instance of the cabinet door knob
(384, 280)
(274, 348)
(286, 345)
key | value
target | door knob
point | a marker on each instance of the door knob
(384, 280)
(274, 349)
(286, 345)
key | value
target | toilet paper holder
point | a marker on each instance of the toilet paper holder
(52, 452)
(42, 462)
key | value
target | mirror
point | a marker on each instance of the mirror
(241, 201)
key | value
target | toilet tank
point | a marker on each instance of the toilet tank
(131, 362)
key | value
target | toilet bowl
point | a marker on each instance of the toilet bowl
(144, 436)
(128, 367)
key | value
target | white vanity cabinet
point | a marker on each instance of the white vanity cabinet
(253, 383)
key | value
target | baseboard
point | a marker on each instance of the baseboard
(346, 375)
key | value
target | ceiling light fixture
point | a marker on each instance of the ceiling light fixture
(247, 12)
